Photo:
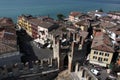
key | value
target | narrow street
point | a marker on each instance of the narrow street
(25, 46)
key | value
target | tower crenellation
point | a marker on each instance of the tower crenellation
(68, 46)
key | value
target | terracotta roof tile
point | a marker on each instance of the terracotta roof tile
(106, 18)
(106, 24)
(102, 42)
(83, 34)
(6, 22)
(115, 29)
(4, 48)
(75, 14)
(41, 23)
(7, 40)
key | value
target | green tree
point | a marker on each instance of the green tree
(100, 10)
(60, 16)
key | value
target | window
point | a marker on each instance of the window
(106, 54)
(42, 32)
(101, 53)
(99, 59)
(105, 59)
(95, 52)
(94, 57)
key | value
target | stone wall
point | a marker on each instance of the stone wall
(21, 70)
(84, 73)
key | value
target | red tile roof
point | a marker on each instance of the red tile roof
(105, 24)
(6, 22)
(41, 23)
(115, 13)
(83, 34)
(106, 18)
(7, 40)
(118, 40)
(4, 48)
(75, 14)
(102, 42)
(115, 29)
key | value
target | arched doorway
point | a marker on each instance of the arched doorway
(65, 64)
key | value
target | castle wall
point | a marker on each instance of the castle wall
(21, 70)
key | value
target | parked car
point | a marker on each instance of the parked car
(95, 72)
(112, 77)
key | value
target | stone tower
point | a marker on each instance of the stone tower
(70, 57)
(56, 50)
(67, 51)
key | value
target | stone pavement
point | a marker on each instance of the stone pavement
(64, 75)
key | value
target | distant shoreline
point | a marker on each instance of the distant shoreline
(15, 8)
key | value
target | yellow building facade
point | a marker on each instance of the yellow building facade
(100, 57)
(25, 24)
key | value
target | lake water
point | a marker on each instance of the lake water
(14, 8)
